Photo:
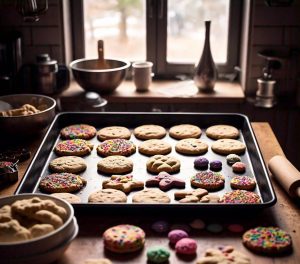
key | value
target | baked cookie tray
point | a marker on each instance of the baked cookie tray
(252, 158)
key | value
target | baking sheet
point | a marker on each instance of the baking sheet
(252, 157)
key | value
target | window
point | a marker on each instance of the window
(170, 33)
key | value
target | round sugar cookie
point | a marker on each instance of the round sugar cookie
(124, 238)
(82, 131)
(112, 132)
(185, 131)
(191, 146)
(71, 164)
(73, 147)
(267, 240)
(115, 165)
(154, 147)
(228, 146)
(107, 196)
(69, 197)
(149, 132)
(62, 182)
(150, 196)
(240, 197)
(117, 146)
(222, 131)
(208, 180)
(159, 163)
(243, 183)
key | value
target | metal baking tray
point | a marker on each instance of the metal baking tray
(252, 157)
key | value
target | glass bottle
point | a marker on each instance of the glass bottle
(206, 73)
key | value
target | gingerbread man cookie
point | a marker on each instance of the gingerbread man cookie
(193, 196)
(124, 183)
(165, 181)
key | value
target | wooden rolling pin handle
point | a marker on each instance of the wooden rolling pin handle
(286, 174)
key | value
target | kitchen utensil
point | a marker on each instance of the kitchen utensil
(286, 174)
(101, 63)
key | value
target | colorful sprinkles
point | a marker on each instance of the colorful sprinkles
(117, 146)
(81, 131)
(243, 182)
(208, 180)
(72, 146)
(240, 197)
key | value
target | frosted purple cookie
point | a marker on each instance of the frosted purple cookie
(177, 234)
(215, 165)
(201, 163)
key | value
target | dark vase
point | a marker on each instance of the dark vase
(206, 73)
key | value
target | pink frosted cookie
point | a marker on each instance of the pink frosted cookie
(165, 181)
(186, 246)
(239, 167)
(243, 183)
(240, 197)
(177, 234)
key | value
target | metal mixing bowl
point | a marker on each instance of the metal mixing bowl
(31, 124)
(103, 81)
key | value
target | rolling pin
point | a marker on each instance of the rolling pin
(286, 174)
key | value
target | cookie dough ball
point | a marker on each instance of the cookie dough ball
(158, 254)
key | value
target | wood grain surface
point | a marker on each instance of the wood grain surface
(89, 244)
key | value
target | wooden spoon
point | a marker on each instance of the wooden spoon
(101, 63)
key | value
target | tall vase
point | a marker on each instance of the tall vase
(206, 73)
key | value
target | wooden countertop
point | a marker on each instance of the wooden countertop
(284, 214)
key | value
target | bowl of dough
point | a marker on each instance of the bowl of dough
(35, 228)
(24, 114)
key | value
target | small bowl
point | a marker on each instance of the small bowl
(102, 81)
(39, 245)
(30, 124)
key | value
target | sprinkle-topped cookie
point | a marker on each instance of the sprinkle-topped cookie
(240, 196)
(268, 240)
(73, 147)
(124, 238)
(243, 183)
(117, 146)
(62, 182)
(208, 180)
(82, 131)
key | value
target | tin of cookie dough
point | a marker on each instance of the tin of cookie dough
(267, 240)
(191, 146)
(208, 180)
(159, 163)
(124, 183)
(82, 131)
(152, 195)
(149, 132)
(112, 132)
(201, 163)
(73, 147)
(124, 238)
(107, 196)
(71, 164)
(158, 254)
(228, 146)
(222, 131)
(240, 197)
(115, 165)
(239, 167)
(62, 182)
(154, 147)
(69, 197)
(233, 158)
(186, 246)
(243, 183)
(117, 146)
(185, 131)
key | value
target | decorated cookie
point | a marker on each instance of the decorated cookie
(159, 163)
(149, 132)
(208, 180)
(71, 164)
(243, 183)
(154, 147)
(165, 181)
(239, 167)
(150, 196)
(210, 198)
(193, 196)
(158, 254)
(113, 132)
(82, 131)
(185, 131)
(176, 234)
(239, 197)
(124, 183)
(201, 163)
(232, 158)
(191, 146)
(267, 240)
(117, 146)
(226, 255)
(115, 165)
(222, 131)
(73, 147)
(124, 238)
(228, 146)
(107, 196)
(186, 246)
(69, 197)
(62, 182)
(215, 165)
